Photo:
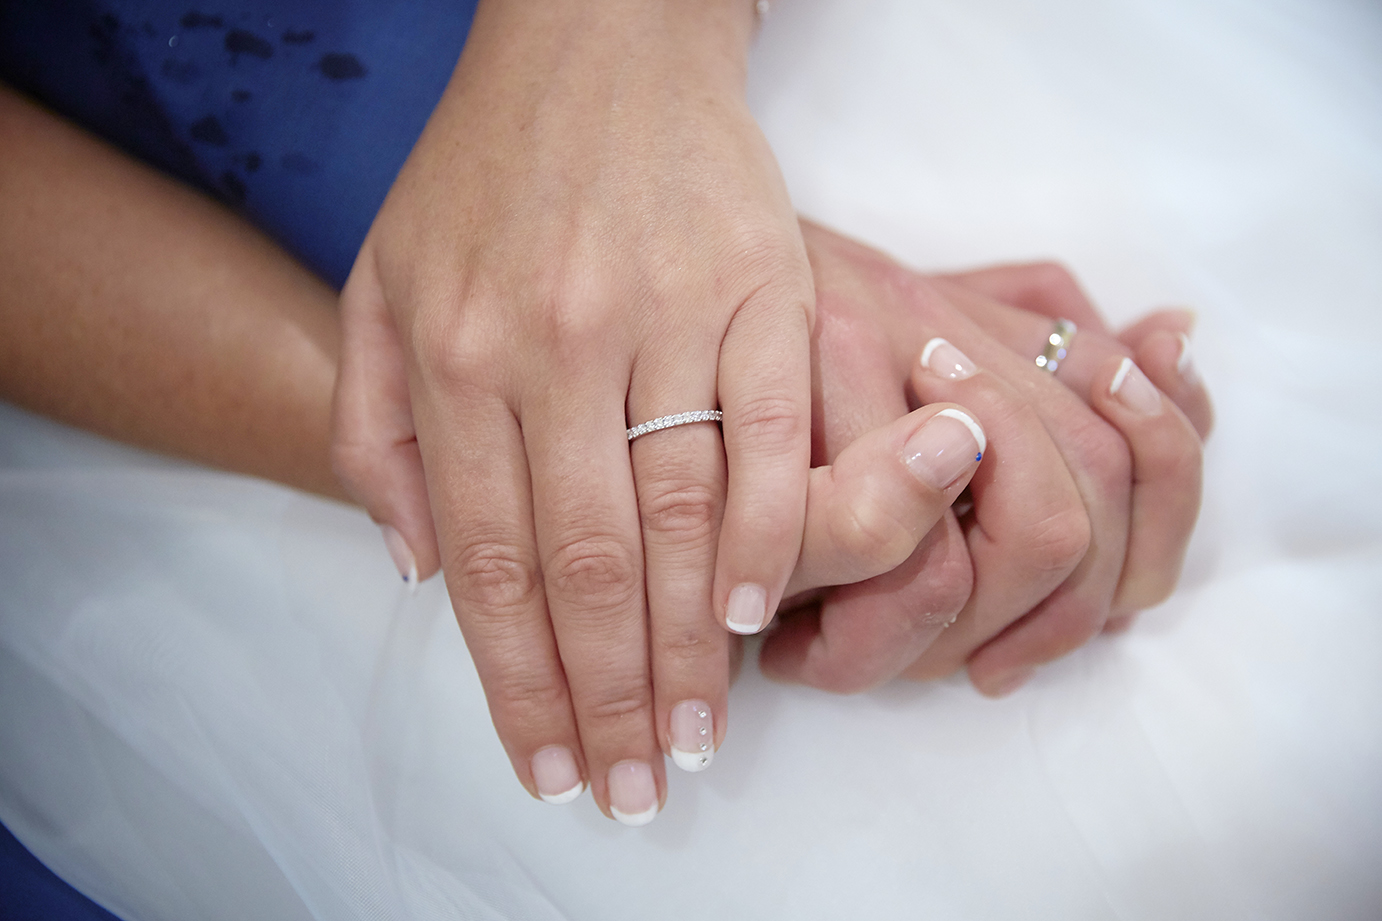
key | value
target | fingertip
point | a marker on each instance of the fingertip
(401, 554)
(1000, 684)
(1167, 358)
(945, 450)
(1169, 320)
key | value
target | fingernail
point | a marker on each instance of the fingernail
(1007, 682)
(632, 793)
(1185, 364)
(693, 735)
(943, 359)
(402, 555)
(1134, 391)
(747, 608)
(943, 449)
(556, 775)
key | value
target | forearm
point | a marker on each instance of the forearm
(136, 308)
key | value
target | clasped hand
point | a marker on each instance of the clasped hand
(591, 234)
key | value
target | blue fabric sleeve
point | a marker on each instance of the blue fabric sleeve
(298, 113)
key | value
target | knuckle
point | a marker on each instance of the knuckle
(444, 349)
(950, 582)
(520, 692)
(689, 646)
(772, 422)
(1053, 278)
(619, 708)
(872, 535)
(492, 577)
(594, 572)
(1057, 542)
(684, 509)
(1104, 455)
(574, 319)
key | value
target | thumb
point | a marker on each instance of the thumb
(374, 447)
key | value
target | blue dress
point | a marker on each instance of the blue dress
(297, 113)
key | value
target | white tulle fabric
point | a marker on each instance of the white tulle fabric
(216, 701)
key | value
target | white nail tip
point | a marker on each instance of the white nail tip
(747, 609)
(1185, 362)
(1121, 376)
(969, 423)
(637, 819)
(931, 347)
(692, 762)
(561, 799)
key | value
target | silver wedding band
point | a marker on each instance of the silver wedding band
(1057, 346)
(667, 422)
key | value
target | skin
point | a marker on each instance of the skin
(136, 308)
(1025, 573)
(591, 227)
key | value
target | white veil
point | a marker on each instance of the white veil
(217, 702)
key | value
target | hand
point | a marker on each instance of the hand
(1056, 549)
(590, 233)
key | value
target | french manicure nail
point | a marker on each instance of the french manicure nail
(944, 448)
(1134, 391)
(693, 735)
(747, 608)
(943, 359)
(556, 775)
(632, 793)
(402, 555)
(1185, 364)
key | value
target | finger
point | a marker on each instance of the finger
(1145, 573)
(480, 485)
(765, 387)
(1081, 536)
(1164, 353)
(1167, 465)
(1172, 320)
(587, 525)
(1045, 288)
(679, 474)
(869, 510)
(861, 635)
(374, 447)
(1025, 333)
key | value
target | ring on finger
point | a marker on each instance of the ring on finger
(667, 422)
(1057, 346)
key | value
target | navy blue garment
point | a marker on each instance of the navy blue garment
(298, 113)
(30, 892)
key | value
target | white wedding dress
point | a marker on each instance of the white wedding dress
(216, 702)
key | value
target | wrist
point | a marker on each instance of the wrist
(702, 41)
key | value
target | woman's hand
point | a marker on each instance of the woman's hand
(591, 233)
(1083, 514)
